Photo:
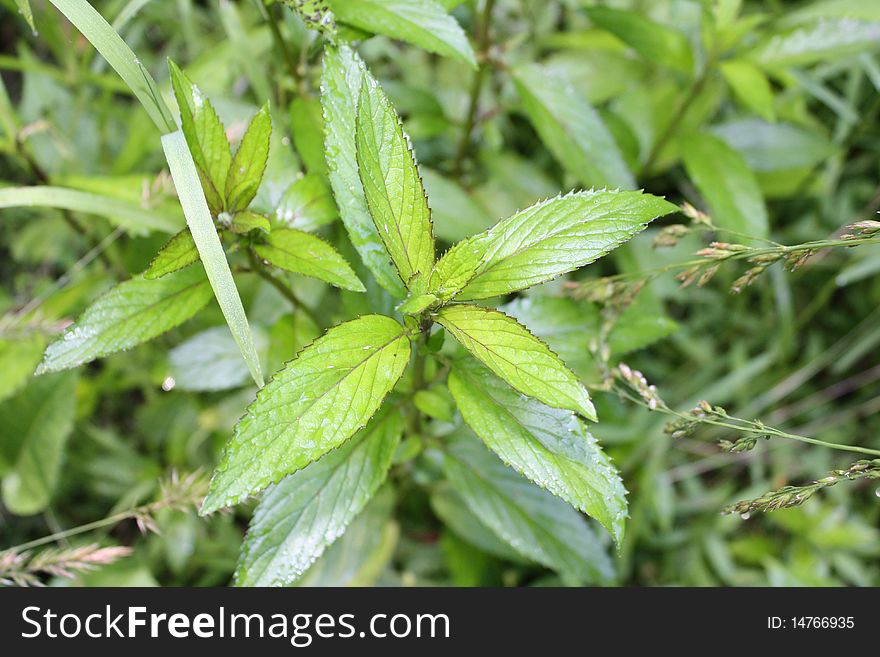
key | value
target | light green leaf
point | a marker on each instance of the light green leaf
(727, 184)
(517, 356)
(19, 357)
(344, 72)
(550, 238)
(536, 524)
(424, 23)
(179, 252)
(416, 304)
(455, 214)
(131, 217)
(313, 405)
(249, 163)
(552, 447)
(24, 8)
(301, 516)
(824, 40)
(359, 556)
(392, 186)
(570, 128)
(130, 313)
(205, 136)
(309, 255)
(210, 360)
(750, 86)
(307, 129)
(307, 204)
(244, 222)
(111, 46)
(198, 218)
(775, 146)
(656, 43)
(38, 422)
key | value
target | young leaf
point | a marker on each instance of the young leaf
(551, 447)
(656, 43)
(309, 255)
(129, 314)
(539, 243)
(129, 216)
(244, 222)
(298, 518)
(535, 523)
(316, 403)
(750, 86)
(392, 185)
(344, 72)
(179, 252)
(518, 357)
(416, 304)
(570, 128)
(198, 217)
(107, 42)
(727, 184)
(423, 23)
(249, 163)
(205, 136)
(36, 424)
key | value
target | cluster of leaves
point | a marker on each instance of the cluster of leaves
(400, 374)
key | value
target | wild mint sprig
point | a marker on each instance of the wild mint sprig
(791, 496)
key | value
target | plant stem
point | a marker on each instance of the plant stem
(461, 152)
(290, 61)
(260, 270)
(414, 421)
(675, 123)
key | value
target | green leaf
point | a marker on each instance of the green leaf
(210, 360)
(24, 8)
(821, 41)
(551, 447)
(775, 146)
(111, 46)
(38, 422)
(424, 23)
(750, 86)
(179, 252)
(517, 356)
(344, 72)
(316, 403)
(416, 304)
(392, 186)
(129, 216)
(301, 516)
(656, 43)
(19, 356)
(456, 515)
(535, 523)
(244, 222)
(570, 128)
(307, 129)
(205, 136)
(309, 255)
(727, 184)
(249, 163)
(198, 218)
(130, 313)
(307, 204)
(360, 555)
(550, 238)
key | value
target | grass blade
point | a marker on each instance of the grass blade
(198, 217)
